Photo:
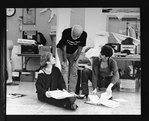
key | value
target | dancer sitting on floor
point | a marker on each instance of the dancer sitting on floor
(104, 73)
(50, 78)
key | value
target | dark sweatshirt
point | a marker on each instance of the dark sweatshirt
(112, 70)
(53, 81)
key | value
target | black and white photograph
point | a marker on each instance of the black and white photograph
(73, 61)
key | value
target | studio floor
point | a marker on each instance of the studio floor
(29, 105)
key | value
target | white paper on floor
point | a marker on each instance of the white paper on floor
(14, 95)
(110, 103)
(120, 100)
(105, 96)
(93, 98)
(103, 100)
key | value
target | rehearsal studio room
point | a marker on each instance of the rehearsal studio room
(34, 31)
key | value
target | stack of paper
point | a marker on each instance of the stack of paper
(58, 94)
(26, 41)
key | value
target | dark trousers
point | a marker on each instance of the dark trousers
(101, 83)
(58, 102)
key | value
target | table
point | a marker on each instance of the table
(27, 57)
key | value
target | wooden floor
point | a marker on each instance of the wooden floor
(29, 105)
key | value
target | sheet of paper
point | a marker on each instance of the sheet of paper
(92, 103)
(107, 103)
(105, 96)
(120, 100)
(103, 100)
(58, 94)
(14, 95)
(93, 98)
(110, 103)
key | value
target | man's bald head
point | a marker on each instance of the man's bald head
(76, 31)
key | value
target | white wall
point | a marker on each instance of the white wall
(77, 16)
(63, 22)
(94, 22)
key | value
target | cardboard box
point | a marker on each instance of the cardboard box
(27, 76)
(129, 85)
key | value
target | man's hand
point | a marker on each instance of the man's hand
(48, 95)
(94, 91)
